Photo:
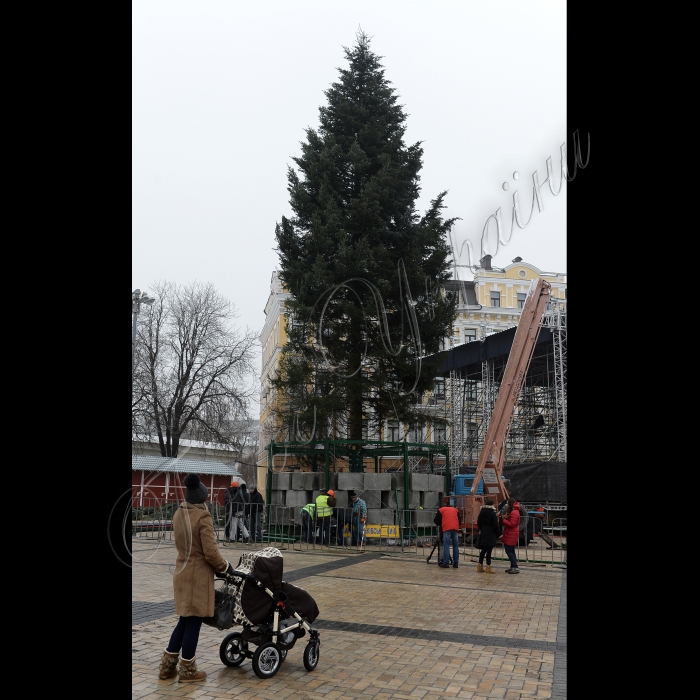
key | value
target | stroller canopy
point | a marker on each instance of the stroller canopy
(254, 605)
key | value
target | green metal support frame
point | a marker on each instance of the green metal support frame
(356, 451)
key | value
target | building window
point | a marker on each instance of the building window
(392, 430)
(439, 435)
(417, 435)
(439, 391)
(469, 335)
(495, 298)
(521, 300)
(365, 429)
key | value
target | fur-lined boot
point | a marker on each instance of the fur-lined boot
(187, 671)
(168, 665)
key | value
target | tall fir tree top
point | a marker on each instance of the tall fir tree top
(363, 99)
(356, 237)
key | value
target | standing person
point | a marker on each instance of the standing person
(323, 515)
(308, 513)
(447, 518)
(238, 503)
(228, 509)
(489, 532)
(254, 511)
(198, 558)
(511, 533)
(359, 518)
(246, 497)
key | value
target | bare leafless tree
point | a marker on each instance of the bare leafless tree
(194, 375)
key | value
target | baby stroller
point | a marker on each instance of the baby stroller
(273, 614)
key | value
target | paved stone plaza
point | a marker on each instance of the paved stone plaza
(391, 628)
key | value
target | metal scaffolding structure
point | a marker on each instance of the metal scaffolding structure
(538, 424)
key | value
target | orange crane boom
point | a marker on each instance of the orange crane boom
(490, 464)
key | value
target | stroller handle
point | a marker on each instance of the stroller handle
(241, 575)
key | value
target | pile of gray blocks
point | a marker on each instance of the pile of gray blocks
(292, 491)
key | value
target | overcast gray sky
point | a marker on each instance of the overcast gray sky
(223, 90)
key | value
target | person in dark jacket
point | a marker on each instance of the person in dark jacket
(447, 519)
(308, 518)
(238, 504)
(254, 511)
(489, 532)
(228, 510)
(511, 533)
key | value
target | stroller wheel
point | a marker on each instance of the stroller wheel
(311, 654)
(267, 660)
(232, 651)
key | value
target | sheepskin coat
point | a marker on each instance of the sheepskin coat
(198, 557)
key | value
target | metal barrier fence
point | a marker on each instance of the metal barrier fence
(412, 533)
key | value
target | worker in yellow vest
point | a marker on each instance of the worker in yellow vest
(308, 514)
(325, 503)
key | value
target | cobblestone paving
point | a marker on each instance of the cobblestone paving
(391, 628)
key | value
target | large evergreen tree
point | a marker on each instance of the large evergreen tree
(365, 271)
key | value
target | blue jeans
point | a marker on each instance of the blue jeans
(510, 551)
(450, 537)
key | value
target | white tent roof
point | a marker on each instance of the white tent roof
(181, 466)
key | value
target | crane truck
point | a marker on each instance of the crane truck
(490, 464)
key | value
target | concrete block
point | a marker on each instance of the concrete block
(413, 500)
(378, 482)
(275, 480)
(422, 518)
(373, 499)
(436, 482)
(342, 498)
(389, 499)
(277, 497)
(419, 482)
(380, 516)
(297, 499)
(430, 499)
(284, 481)
(350, 481)
(396, 480)
(301, 481)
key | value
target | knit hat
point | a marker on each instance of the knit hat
(243, 487)
(352, 495)
(196, 490)
(331, 492)
(234, 483)
(253, 487)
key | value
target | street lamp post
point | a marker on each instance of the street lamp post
(137, 298)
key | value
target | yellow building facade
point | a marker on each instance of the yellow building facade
(493, 300)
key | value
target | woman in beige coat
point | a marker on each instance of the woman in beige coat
(198, 557)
